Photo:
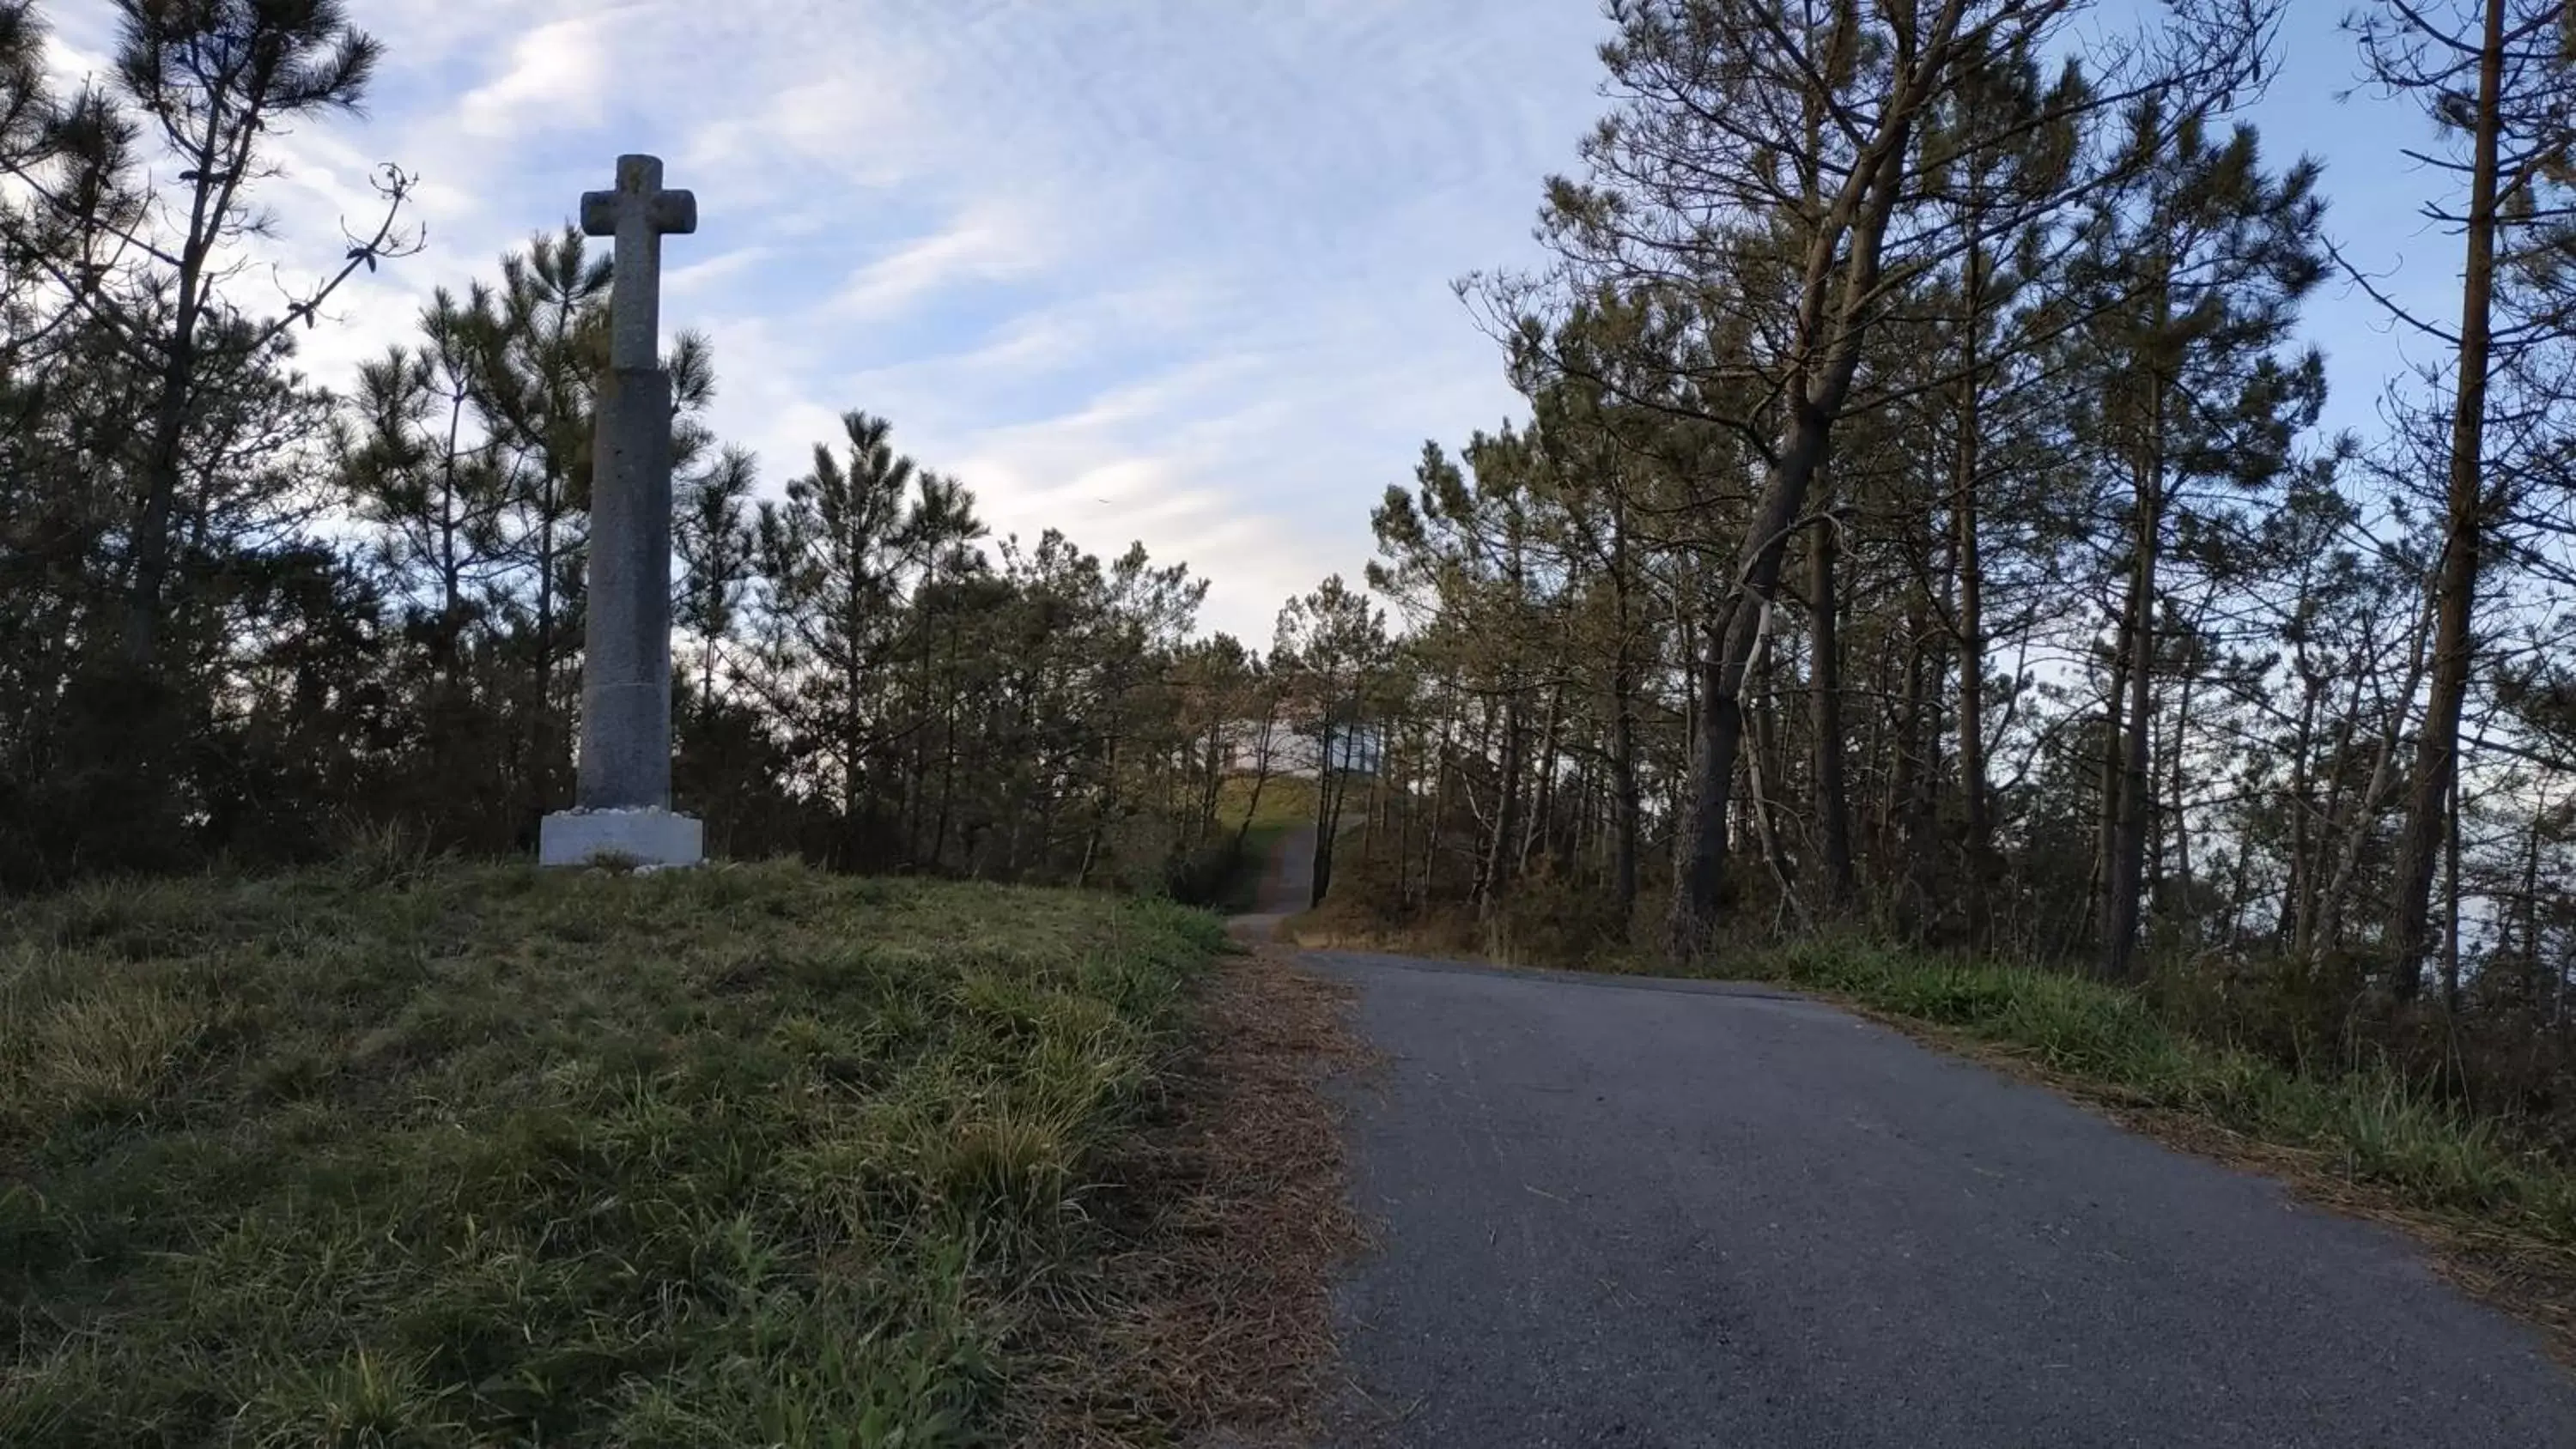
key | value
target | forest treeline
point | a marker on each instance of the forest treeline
(1920, 524)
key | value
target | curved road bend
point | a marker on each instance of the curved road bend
(1615, 1212)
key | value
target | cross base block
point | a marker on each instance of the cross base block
(651, 839)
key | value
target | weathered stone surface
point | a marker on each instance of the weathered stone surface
(621, 837)
(626, 676)
(639, 213)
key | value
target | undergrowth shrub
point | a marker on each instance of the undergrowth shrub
(1368, 908)
(1551, 917)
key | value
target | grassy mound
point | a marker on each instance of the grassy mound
(1287, 801)
(430, 1155)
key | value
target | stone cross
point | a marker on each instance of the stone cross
(623, 799)
(639, 213)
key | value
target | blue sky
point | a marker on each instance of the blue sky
(1169, 270)
(2375, 199)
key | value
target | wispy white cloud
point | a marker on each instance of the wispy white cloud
(804, 137)
(995, 240)
(557, 76)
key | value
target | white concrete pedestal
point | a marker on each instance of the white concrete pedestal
(655, 838)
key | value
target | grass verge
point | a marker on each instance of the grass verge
(423, 1154)
(1285, 801)
(1212, 1325)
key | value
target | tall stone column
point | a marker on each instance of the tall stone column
(622, 808)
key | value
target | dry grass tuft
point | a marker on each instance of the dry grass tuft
(1212, 1325)
(100, 1052)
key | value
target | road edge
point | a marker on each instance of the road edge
(1211, 1325)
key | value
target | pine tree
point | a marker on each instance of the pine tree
(2199, 262)
(837, 559)
(2495, 76)
(1800, 130)
(1333, 641)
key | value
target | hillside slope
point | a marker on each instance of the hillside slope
(431, 1154)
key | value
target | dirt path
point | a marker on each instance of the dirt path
(1287, 886)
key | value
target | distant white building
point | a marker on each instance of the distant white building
(1357, 749)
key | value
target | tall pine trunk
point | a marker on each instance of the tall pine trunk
(2124, 876)
(1323, 857)
(1972, 623)
(2437, 747)
(1825, 711)
(1623, 745)
(1499, 852)
(1740, 621)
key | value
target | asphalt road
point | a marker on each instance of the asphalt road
(1617, 1213)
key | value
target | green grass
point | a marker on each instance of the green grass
(1286, 802)
(2374, 1126)
(409, 1153)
